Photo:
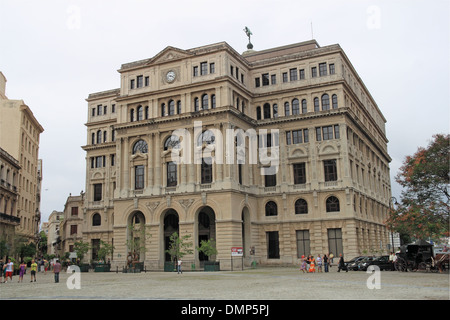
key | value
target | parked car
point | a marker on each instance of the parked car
(364, 263)
(353, 264)
(382, 263)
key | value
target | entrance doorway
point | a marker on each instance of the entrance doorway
(171, 225)
(206, 228)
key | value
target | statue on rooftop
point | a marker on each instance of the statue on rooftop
(248, 33)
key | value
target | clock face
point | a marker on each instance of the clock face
(170, 76)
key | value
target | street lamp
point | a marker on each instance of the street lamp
(391, 206)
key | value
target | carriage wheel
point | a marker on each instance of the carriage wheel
(401, 265)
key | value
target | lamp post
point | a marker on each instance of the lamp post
(391, 206)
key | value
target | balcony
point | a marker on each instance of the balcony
(9, 218)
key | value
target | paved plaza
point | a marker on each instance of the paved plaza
(253, 284)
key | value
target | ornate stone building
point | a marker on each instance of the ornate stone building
(282, 152)
(19, 136)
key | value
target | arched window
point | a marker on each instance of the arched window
(196, 105)
(96, 219)
(266, 111)
(213, 101)
(274, 110)
(295, 106)
(171, 108)
(140, 146)
(178, 107)
(146, 112)
(325, 102)
(207, 137)
(99, 136)
(105, 136)
(139, 113)
(258, 113)
(301, 206)
(287, 109)
(93, 138)
(163, 109)
(131, 115)
(334, 101)
(304, 106)
(172, 142)
(316, 105)
(332, 204)
(271, 209)
(205, 101)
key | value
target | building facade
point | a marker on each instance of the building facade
(19, 136)
(71, 226)
(54, 238)
(282, 152)
(9, 179)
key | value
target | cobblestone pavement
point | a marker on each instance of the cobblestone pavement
(252, 284)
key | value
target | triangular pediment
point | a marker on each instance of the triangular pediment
(169, 54)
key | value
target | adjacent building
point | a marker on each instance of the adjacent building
(282, 152)
(71, 226)
(19, 137)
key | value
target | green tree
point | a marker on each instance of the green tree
(81, 248)
(208, 247)
(105, 250)
(423, 211)
(179, 246)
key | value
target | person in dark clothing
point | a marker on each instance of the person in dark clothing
(341, 264)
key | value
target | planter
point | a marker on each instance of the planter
(211, 266)
(84, 267)
(169, 266)
(102, 268)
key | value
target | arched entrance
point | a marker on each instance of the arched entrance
(171, 225)
(206, 228)
(136, 237)
(246, 232)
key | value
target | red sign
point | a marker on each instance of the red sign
(237, 251)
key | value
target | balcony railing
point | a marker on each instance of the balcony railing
(9, 218)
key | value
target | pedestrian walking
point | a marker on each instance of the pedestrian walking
(319, 263)
(33, 270)
(179, 263)
(57, 270)
(9, 267)
(22, 269)
(325, 262)
(341, 264)
(312, 264)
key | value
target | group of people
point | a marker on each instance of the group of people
(7, 270)
(309, 264)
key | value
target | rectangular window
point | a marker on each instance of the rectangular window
(195, 71)
(314, 72)
(330, 170)
(273, 78)
(139, 177)
(147, 81)
(265, 79)
(323, 69)
(140, 81)
(327, 133)
(132, 83)
(257, 82)
(270, 180)
(273, 245)
(293, 74)
(336, 132)
(206, 170)
(99, 110)
(74, 211)
(288, 138)
(113, 159)
(113, 108)
(171, 174)
(303, 243)
(73, 229)
(335, 241)
(285, 77)
(212, 67)
(299, 173)
(305, 135)
(302, 74)
(332, 69)
(203, 68)
(318, 134)
(297, 136)
(99, 162)
(97, 192)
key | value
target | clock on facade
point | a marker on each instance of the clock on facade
(170, 76)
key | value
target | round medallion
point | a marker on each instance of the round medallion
(170, 76)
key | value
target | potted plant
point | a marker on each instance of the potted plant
(105, 250)
(81, 248)
(208, 247)
(178, 247)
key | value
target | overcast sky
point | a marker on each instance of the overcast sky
(54, 53)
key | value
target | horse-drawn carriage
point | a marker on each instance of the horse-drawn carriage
(419, 256)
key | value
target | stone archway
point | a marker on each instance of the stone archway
(170, 225)
(136, 237)
(246, 233)
(206, 228)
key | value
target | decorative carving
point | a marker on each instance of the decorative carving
(186, 203)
